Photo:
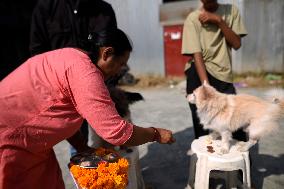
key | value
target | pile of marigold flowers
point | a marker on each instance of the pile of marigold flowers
(105, 176)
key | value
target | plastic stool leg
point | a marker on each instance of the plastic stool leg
(206, 181)
(201, 181)
(197, 181)
(192, 170)
(247, 169)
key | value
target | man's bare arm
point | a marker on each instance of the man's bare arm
(231, 37)
(200, 67)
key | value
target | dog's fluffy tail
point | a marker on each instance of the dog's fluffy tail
(276, 96)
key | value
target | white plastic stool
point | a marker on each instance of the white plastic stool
(208, 161)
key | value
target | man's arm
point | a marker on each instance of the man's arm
(231, 37)
(200, 67)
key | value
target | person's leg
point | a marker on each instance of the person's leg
(192, 82)
(198, 128)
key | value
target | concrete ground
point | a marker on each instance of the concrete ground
(167, 166)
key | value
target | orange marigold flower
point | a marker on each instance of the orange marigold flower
(123, 165)
(105, 176)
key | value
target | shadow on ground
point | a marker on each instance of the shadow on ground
(264, 165)
(167, 166)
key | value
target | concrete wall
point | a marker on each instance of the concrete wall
(140, 20)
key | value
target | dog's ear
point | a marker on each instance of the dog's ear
(206, 92)
(205, 83)
(276, 100)
(202, 93)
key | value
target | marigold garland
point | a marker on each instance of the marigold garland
(105, 176)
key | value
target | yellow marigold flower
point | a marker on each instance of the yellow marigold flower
(118, 180)
(113, 168)
(123, 165)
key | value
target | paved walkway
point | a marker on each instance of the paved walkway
(167, 166)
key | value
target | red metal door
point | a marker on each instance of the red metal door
(174, 60)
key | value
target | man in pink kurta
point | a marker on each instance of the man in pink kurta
(43, 102)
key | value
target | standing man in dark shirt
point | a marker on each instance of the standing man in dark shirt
(67, 23)
(15, 18)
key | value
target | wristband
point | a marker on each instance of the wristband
(156, 136)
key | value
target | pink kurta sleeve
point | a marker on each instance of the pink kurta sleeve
(85, 85)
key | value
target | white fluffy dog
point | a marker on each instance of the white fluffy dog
(225, 114)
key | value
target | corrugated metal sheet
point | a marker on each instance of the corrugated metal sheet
(140, 20)
(176, 12)
(263, 48)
